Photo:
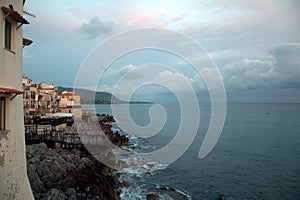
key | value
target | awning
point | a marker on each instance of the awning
(10, 91)
(26, 42)
(14, 15)
(60, 114)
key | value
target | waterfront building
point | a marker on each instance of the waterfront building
(39, 99)
(69, 102)
(14, 183)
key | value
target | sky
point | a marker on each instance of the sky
(254, 44)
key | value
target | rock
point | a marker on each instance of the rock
(125, 184)
(173, 193)
(71, 194)
(41, 148)
(34, 179)
(55, 194)
(55, 173)
(152, 197)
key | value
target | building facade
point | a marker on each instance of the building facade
(39, 99)
(14, 183)
(30, 97)
(69, 102)
(49, 97)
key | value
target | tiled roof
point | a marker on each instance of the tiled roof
(14, 15)
(69, 94)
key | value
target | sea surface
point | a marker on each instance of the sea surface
(257, 155)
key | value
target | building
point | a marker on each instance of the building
(14, 183)
(49, 97)
(69, 102)
(30, 97)
(39, 99)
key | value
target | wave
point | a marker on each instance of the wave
(139, 169)
(138, 188)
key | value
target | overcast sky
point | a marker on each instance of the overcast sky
(255, 44)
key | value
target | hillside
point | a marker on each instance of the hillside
(87, 96)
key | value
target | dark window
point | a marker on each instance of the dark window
(32, 104)
(2, 113)
(7, 35)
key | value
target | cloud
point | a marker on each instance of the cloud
(287, 63)
(280, 70)
(152, 75)
(244, 28)
(177, 81)
(175, 18)
(136, 73)
(96, 27)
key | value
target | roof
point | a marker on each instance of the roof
(64, 94)
(10, 91)
(13, 14)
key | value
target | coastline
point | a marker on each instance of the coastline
(75, 173)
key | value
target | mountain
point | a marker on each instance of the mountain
(91, 97)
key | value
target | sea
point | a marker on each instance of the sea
(256, 157)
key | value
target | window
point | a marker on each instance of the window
(2, 113)
(32, 104)
(8, 34)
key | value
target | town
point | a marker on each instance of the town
(43, 100)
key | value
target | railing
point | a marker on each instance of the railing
(40, 133)
(36, 131)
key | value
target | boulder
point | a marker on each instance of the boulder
(152, 197)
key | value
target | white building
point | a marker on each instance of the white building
(14, 183)
(69, 102)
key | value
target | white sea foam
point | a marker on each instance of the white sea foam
(137, 170)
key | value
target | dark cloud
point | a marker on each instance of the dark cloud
(280, 70)
(96, 27)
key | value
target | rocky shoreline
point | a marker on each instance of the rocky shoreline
(69, 174)
(73, 173)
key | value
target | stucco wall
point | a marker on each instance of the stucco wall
(14, 183)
